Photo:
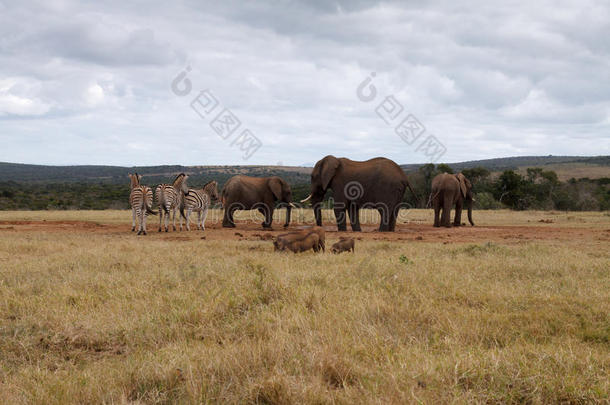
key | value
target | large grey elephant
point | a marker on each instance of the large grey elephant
(377, 183)
(449, 190)
(261, 193)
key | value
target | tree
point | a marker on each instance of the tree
(476, 174)
(444, 168)
(509, 190)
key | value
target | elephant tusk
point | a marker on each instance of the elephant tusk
(307, 199)
(473, 200)
(292, 205)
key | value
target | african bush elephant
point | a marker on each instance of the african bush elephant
(449, 190)
(261, 193)
(377, 183)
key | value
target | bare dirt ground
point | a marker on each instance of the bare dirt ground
(413, 232)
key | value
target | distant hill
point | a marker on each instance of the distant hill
(514, 163)
(565, 166)
(39, 174)
(38, 187)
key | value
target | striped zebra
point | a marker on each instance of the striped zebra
(198, 200)
(169, 198)
(141, 200)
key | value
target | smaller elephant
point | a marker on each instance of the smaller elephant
(344, 245)
(261, 193)
(449, 190)
(297, 243)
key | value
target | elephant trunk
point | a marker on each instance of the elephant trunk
(288, 211)
(470, 212)
(317, 211)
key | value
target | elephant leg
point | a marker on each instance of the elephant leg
(269, 218)
(393, 215)
(340, 217)
(384, 224)
(354, 217)
(446, 217)
(437, 213)
(268, 214)
(457, 221)
(227, 221)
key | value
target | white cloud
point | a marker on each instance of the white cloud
(94, 95)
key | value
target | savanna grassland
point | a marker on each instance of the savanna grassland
(514, 310)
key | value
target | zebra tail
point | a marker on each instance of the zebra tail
(150, 211)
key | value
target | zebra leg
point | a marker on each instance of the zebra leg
(139, 215)
(174, 218)
(133, 219)
(199, 219)
(204, 215)
(180, 221)
(167, 212)
(144, 222)
(187, 220)
(160, 216)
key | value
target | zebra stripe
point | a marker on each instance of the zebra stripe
(198, 200)
(169, 199)
(140, 200)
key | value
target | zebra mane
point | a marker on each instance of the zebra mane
(178, 178)
(208, 183)
(135, 180)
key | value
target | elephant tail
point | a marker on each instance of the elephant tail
(432, 197)
(407, 183)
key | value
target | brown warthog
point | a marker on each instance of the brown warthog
(301, 234)
(297, 243)
(344, 245)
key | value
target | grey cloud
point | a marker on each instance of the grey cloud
(487, 79)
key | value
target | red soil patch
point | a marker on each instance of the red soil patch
(412, 232)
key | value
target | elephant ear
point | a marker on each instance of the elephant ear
(275, 185)
(462, 181)
(329, 168)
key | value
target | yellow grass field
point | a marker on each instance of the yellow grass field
(513, 310)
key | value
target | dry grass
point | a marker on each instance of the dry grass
(97, 318)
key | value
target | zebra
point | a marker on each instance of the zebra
(141, 200)
(169, 198)
(198, 200)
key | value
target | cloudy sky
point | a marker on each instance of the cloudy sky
(91, 83)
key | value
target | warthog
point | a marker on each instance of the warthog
(301, 234)
(344, 245)
(297, 243)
